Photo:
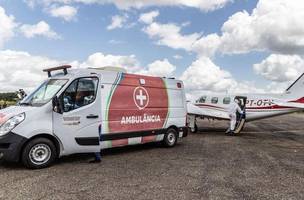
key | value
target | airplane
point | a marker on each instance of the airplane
(254, 106)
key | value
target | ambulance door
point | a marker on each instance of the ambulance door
(79, 125)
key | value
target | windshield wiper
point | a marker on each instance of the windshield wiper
(25, 104)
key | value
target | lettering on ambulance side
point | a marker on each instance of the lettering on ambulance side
(136, 107)
(259, 102)
(2, 118)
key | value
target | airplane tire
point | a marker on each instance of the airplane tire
(195, 129)
(38, 153)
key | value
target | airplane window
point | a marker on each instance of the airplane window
(202, 99)
(214, 100)
(226, 100)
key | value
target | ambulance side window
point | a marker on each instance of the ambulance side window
(81, 92)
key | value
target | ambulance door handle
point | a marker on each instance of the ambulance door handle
(92, 116)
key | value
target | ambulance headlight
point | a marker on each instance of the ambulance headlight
(11, 123)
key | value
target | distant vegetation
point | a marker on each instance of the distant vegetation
(8, 99)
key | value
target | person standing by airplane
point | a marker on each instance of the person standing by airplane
(232, 111)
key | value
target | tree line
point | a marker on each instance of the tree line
(8, 99)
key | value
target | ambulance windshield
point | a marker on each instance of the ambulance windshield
(44, 93)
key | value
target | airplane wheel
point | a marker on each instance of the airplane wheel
(195, 129)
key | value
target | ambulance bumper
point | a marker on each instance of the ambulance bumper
(10, 147)
(183, 132)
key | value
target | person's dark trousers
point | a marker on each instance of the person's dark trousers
(97, 156)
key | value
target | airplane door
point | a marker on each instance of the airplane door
(79, 125)
(241, 118)
(242, 100)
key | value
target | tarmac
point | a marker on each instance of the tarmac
(265, 162)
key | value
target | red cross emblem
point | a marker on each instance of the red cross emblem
(141, 98)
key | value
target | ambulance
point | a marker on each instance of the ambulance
(86, 110)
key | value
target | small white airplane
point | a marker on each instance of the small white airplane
(255, 106)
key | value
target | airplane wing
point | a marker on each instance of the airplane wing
(206, 112)
(290, 104)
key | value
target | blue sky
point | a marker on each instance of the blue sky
(86, 33)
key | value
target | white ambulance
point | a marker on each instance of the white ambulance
(86, 110)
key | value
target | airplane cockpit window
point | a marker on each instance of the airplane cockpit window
(227, 100)
(202, 99)
(214, 100)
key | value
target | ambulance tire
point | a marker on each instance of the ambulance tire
(170, 138)
(39, 153)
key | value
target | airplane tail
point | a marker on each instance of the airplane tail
(295, 91)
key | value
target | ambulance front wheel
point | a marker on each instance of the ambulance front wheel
(38, 153)
(170, 138)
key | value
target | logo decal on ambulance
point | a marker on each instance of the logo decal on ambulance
(141, 97)
(136, 107)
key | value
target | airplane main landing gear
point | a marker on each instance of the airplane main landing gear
(194, 129)
(191, 121)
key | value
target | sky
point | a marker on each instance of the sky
(235, 46)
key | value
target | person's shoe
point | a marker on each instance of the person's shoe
(231, 133)
(95, 161)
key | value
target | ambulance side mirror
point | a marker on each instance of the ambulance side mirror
(56, 105)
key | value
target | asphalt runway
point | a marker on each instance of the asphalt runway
(266, 162)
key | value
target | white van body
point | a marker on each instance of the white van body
(96, 109)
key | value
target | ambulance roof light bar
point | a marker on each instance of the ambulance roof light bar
(63, 67)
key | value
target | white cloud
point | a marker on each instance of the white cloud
(116, 42)
(278, 87)
(177, 57)
(203, 74)
(275, 26)
(7, 26)
(148, 17)
(99, 59)
(162, 68)
(280, 68)
(204, 77)
(39, 29)
(117, 22)
(68, 13)
(204, 5)
(206, 46)
(22, 70)
(170, 35)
